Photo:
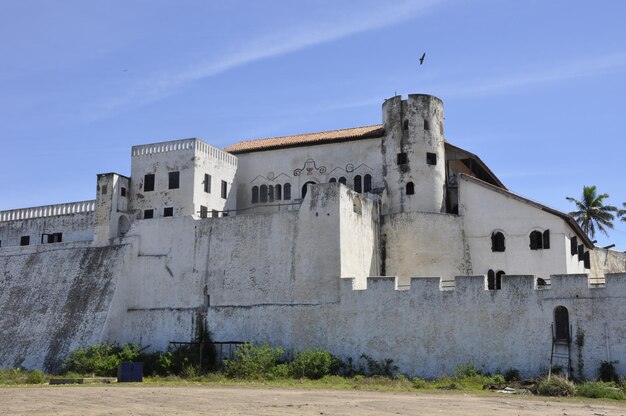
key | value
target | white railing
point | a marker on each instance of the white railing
(48, 211)
(185, 144)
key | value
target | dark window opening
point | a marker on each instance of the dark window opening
(587, 260)
(207, 183)
(561, 324)
(104, 189)
(123, 191)
(168, 212)
(215, 213)
(546, 239)
(410, 188)
(174, 180)
(499, 275)
(541, 282)
(491, 280)
(204, 211)
(263, 193)
(25, 240)
(402, 159)
(278, 192)
(358, 185)
(405, 125)
(367, 183)
(536, 240)
(332, 180)
(270, 193)
(426, 125)
(55, 238)
(343, 180)
(573, 246)
(255, 194)
(581, 252)
(224, 189)
(497, 242)
(304, 188)
(148, 213)
(148, 182)
(287, 192)
(431, 158)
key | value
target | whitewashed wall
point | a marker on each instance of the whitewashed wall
(485, 210)
(77, 226)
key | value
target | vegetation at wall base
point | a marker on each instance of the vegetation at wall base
(16, 376)
(556, 386)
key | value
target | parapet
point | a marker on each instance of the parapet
(48, 211)
(184, 144)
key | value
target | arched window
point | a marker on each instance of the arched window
(305, 186)
(410, 188)
(332, 180)
(343, 180)
(270, 193)
(561, 324)
(263, 193)
(255, 194)
(358, 185)
(287, 192)
(536, 240)
(278, 192)
(499, 275)
(367, 183)
(497, 242)
(491, 280)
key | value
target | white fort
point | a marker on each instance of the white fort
(385, 240)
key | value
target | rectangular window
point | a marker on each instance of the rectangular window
(104, 189)
(174, 180)
(148, 213)
(573, 246)
(431, 158)
(402, 159)
(204, 211)
(215, 213)
(55, 238)
(581, 252)
(168, 212)
(224, 189)
(587, 261)
(123, 191)
(148, 182)
(25, 240)
(207, 183)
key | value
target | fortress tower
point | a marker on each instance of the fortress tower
(413, 154)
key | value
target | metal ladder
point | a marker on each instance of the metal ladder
(561, 352)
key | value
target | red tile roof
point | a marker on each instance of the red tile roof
(355, 133)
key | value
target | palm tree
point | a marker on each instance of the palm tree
(622, 212)
(591, 213)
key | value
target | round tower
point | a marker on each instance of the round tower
(414, 154)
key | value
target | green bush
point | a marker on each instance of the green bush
(384, 368)
(253, 362)
(314, 364)
(466, 370)
(419, 383)
(555, 386)
(607, 372)
(597, 389)
(101, 359)
(512, 374)
(20, 376)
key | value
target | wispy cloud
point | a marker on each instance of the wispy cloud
(271, 45)
(563, 71)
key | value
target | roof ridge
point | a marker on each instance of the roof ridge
(307, 134)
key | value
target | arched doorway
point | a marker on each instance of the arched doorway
(304, 187)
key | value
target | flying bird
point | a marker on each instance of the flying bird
(422, 58)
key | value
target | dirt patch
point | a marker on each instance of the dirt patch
(199, 400)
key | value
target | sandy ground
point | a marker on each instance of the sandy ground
(142, 400)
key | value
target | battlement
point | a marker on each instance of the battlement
(185, 144)
(48, 211)
(478, 284)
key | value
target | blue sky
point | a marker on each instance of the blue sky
(535, 88)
